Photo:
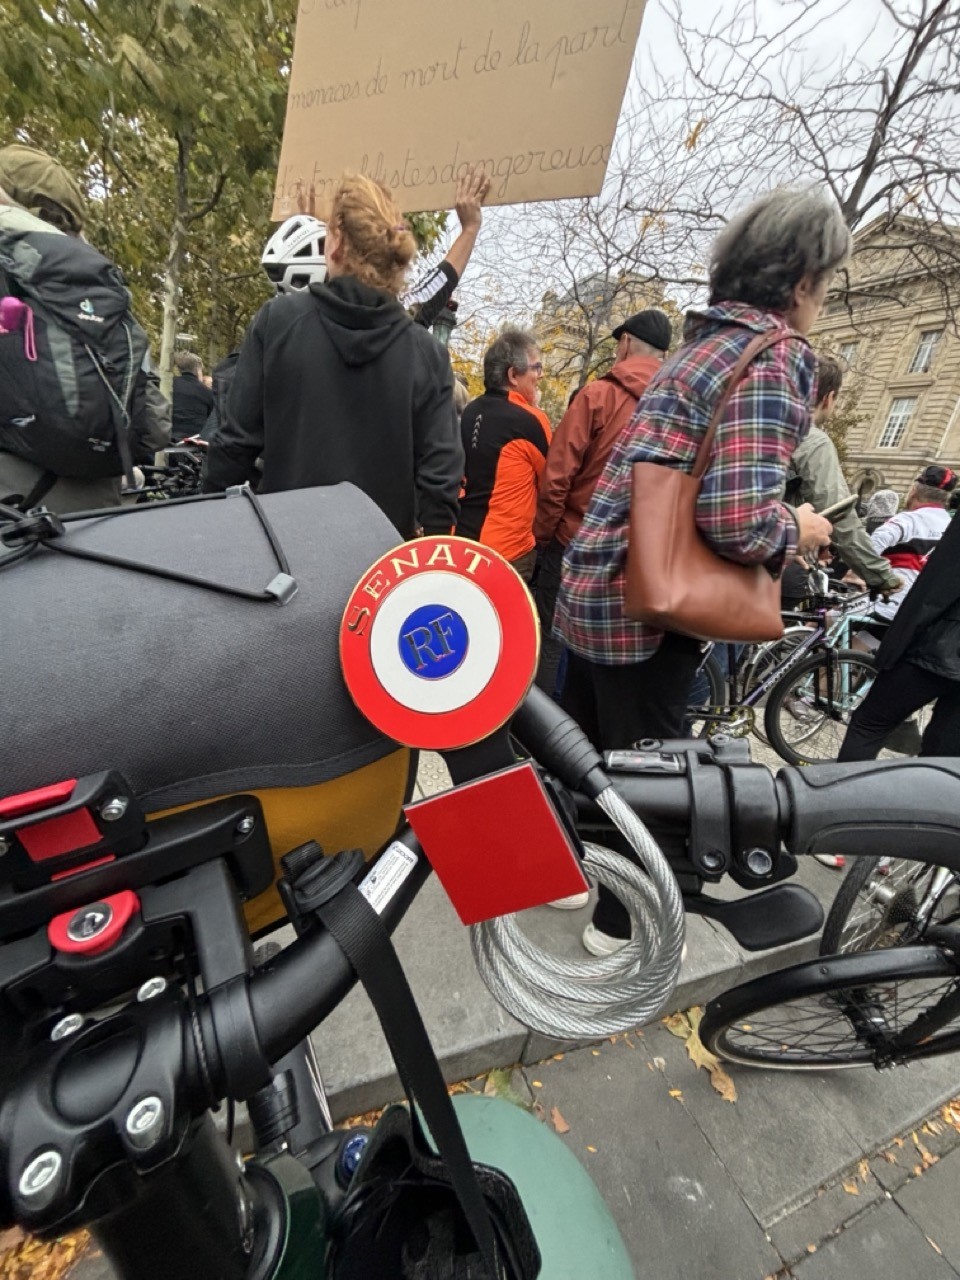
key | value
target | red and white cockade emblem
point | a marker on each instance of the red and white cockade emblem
(439, 643)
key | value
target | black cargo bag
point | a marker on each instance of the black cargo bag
(193, 694)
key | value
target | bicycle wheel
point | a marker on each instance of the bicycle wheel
(709, 693)
(878, 905)
(836, 1014)
(809, 709)
(764, 661)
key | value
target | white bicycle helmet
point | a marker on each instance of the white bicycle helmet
(293, 257)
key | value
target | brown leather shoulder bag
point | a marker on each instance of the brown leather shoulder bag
(674, 580)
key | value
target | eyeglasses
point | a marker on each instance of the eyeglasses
(536, 368)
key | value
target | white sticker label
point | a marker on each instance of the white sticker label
(394, 865)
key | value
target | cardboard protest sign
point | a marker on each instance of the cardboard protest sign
(411, 91)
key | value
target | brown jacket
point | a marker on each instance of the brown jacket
(582, 444)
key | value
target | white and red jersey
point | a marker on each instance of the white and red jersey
(906, 540)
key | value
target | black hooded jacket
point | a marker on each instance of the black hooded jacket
(337, 383)
(926, 628)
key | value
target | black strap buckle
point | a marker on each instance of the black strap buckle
(37, 525)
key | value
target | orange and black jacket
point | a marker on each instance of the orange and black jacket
(505, 441)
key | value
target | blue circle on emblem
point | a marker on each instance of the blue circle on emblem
(433, 641)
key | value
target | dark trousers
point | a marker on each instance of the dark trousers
(545, 594)
(525, 564)
(617, 707)
(893, 697)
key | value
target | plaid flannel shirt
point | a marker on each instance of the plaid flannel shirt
(739, 511)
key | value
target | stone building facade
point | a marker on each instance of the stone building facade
(893, 333)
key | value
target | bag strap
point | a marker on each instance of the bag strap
(366, 943)
(45, 482)
(748, 355)
(27, 533)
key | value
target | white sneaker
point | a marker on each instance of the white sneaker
(572, 903)
(832, 860)
(601, 944)
(801, 710)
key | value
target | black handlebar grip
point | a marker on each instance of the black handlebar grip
(559, 744)
(899, 809)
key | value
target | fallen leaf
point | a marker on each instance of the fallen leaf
(699, 1054)
(889, 1157)
(678, 1024)
(593, 1149)
(933, 1245)
(723, 1084)
(499, 1084)
(538, 1084)
(811, 1248)
(595, 1052)
(686, 1026)
(676, 1093)
(863, 1168)
(558, 1121)
(557, 1057)
(851, 1188)
(10, 1239)
(917, 1170)
(660, 1064)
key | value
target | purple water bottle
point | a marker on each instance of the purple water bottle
(14, 315)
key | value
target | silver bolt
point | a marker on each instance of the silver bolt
(114, 808)
(145, 1123)
(67, 1026)
(89, 922)
(246, 825)
(4, 845)
(759, 862)
(39, 1179)
(151, 988)
(712, 859)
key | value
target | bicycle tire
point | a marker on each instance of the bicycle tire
(888, 900)
(802, 1018)
(702, 726)
(766, 658)
(821, 735)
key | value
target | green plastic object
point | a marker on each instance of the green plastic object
(305, 1227)
(577, 1236)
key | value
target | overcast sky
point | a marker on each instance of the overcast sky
(825, 38)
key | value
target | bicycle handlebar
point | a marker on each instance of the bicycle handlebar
(223, 1044)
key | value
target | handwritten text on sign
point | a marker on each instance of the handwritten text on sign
(411, 91)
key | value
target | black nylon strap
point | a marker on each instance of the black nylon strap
(280, 590)
(358, 930)
(40, 490)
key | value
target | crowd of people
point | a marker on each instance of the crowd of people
(339, 379)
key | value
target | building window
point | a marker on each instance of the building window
(900, 414)
(848, 353)
(923, 356)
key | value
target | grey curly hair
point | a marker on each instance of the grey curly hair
(765, 251)
(510, 351)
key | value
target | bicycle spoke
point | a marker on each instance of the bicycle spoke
(841, 1027)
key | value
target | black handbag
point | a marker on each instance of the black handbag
(415, 1211)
